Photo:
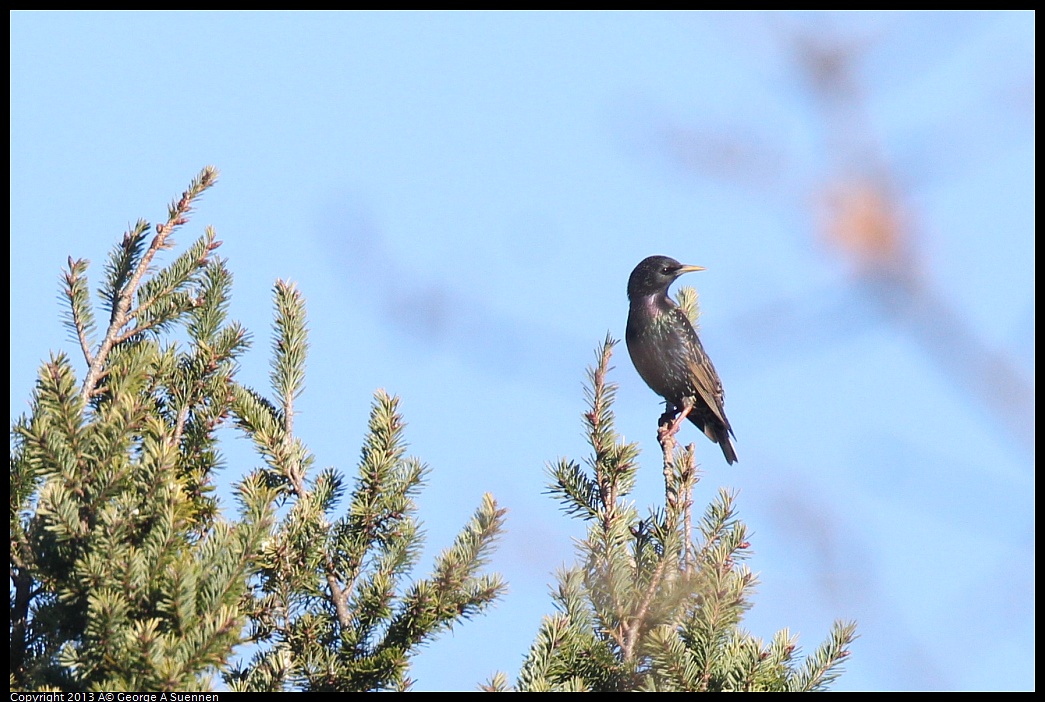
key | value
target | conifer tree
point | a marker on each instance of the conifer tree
(325, 603)
(126, 571)
(650, 607)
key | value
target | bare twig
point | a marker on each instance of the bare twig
(339, 597)
(678, 484)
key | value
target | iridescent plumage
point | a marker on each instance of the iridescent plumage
(668, 354)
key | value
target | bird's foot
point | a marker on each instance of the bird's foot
(669, 428)
(673, 428)
(666, 424)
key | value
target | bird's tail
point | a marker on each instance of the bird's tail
(727, 446)
(720, 435)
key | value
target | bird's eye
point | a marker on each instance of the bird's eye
(666, 270)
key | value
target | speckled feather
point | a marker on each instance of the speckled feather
(668, 354)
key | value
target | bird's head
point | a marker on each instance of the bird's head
(654, 274)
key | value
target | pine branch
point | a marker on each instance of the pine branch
(825, 664)
(80, 318)
(289, 348)
(128, 267)
(689, 300)
(164, 298)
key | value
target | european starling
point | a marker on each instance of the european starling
(668, 355)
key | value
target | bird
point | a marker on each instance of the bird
(668, 354)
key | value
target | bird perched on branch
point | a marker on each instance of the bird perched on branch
(668, 355)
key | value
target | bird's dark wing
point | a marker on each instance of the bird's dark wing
(702, 373)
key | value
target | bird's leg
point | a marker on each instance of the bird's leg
(664, 428)
(687, 407)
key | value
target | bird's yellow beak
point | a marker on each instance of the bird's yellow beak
(690, 269)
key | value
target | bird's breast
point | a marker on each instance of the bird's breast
(659, 353)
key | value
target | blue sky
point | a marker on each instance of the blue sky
(461, 196)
